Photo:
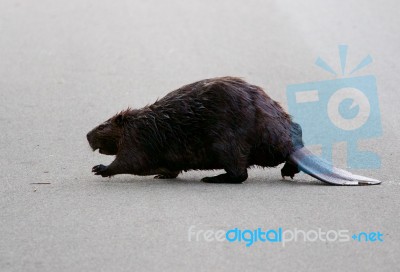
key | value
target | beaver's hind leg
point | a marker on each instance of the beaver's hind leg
(235, 165)
(227, 178)
(289, 170)
(167, 174)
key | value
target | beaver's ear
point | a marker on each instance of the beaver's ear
(119, 120)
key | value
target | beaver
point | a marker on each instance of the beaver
(218, 123)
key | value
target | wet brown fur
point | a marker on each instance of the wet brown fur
(220, 123)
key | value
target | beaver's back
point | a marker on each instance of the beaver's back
(209, 117)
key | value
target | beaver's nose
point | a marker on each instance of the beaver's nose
(88, 137)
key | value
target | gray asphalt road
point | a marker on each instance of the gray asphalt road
(66, 66)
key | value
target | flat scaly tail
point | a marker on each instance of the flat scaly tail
(320, 169)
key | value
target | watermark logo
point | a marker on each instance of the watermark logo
(279, 235)
(344, 109)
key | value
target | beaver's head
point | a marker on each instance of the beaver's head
(106, 137)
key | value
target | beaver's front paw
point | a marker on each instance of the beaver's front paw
(100, 170)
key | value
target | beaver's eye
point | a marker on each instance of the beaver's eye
(101, 127)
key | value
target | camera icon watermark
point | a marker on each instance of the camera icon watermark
(340, 110)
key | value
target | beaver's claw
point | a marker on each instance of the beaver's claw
(100, 170)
